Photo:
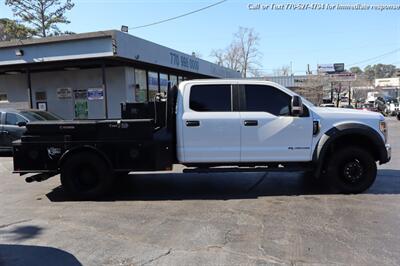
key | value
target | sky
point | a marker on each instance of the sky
(287, 37)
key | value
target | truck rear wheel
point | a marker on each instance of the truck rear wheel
(351, 170)
(85, 175)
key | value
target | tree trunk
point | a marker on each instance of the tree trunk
(42, 18)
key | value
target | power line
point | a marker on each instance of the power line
(375, 57)
(180, 16)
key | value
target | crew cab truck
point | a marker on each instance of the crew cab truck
(210, 126)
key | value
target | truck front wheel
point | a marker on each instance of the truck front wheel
(351, 170)
(85, 175)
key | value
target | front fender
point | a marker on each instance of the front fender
(349, 129)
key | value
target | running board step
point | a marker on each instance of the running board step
(244, 169)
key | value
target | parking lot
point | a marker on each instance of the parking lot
(198, 219)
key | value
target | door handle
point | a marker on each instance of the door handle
(250, 123)
(192, 123)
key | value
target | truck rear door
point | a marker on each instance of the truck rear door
(210, 129)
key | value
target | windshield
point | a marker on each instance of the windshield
(40, 116)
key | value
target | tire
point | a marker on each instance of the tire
(351, 170)
(86, 175)
(398, 116)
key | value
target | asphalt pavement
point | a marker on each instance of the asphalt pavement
(203, 219)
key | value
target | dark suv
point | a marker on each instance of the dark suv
(13, 121)
(387, 105)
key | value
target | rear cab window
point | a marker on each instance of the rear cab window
(211, 98)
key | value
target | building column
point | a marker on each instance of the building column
(29, 83)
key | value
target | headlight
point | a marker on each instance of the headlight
(383, 128)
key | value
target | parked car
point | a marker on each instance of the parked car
(387, 105)
(368, 107)
(13, 122)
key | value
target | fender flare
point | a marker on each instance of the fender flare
(83, 148)
(329, 137)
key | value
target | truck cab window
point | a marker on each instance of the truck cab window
(262, 98)
(13, 119)
(210, 98)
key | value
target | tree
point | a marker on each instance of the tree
(242, 54)
(282, 71)
(229, 57)
(379, 71)
(42, 15)
(10, 29)
(359, 94)
(338, 90)
(248, 41)
(356, 70)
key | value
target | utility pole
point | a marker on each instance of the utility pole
(350, 94)
(291, 68)
(338, 94)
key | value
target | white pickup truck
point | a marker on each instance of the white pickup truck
(211, 126)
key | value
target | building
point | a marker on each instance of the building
(387, 82)
(309, 86)
(388, 86)
(88, 75)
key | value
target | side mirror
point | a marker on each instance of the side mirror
(296, 106)
(21, 124)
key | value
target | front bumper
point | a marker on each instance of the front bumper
(385, 154)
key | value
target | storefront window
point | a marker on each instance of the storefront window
(163, 82)
(40, 96)
(153, 85)
(140, 85)
(173, 80)
(180, 79)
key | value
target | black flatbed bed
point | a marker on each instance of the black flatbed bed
(126, 144)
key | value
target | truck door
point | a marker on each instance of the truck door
(268, 132)
(11, 131)
(210, 127)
